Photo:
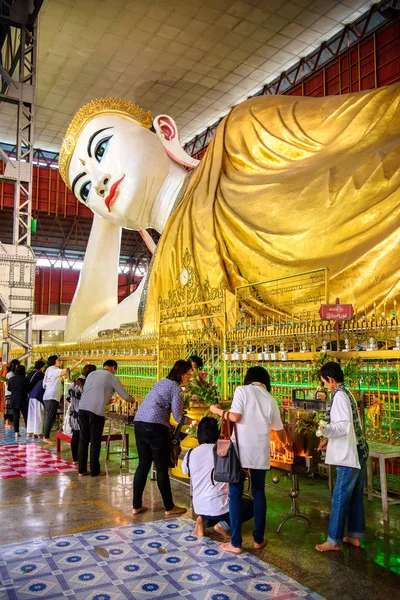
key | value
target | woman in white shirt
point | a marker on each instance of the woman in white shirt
(346, 447)
(256, 413)
(53, 391)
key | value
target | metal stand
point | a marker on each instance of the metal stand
(123, 422)
(294, 512)
(330, 481)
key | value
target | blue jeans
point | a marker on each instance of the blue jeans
(246, 513)
(348, 504)
(259, 504)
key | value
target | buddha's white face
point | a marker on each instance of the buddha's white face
(117, 170)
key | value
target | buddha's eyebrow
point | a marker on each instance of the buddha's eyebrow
(75, 181)
(89, 149)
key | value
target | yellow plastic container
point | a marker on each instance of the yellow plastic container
(194, 413)
(177, 471)
(189, 442)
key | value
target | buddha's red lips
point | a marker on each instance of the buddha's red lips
(112, 196)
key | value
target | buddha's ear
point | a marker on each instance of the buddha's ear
(167, 131)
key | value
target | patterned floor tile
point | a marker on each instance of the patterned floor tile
(139, 562)
(101, 593)
(39, 586)
(24, 460)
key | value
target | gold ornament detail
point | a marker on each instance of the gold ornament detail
(97, 108)
(191, 298)
(374, 412)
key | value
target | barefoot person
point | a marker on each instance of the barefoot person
(74, 395)
(346, 448)
(36, 374)
(34, 425)
(152, 432)
(8, 413)
(256, 413)
(53, 389)
(210, 501)
(19, 388)
(99, 388)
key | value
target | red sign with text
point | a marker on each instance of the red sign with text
(336, 312)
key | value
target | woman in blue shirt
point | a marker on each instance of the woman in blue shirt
(152, 429)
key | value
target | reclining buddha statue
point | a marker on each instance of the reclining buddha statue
(287, 185)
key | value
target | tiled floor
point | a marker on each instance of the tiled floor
(7, 436)
(160, 560)
(64, 505)
(27, 460)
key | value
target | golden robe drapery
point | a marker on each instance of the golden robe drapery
(291, 184)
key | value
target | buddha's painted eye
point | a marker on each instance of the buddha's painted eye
(101, 148)
(85, 190)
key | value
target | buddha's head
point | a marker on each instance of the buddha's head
(114, 163)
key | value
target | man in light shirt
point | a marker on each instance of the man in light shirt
(97, 393)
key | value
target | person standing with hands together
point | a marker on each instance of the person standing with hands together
(347, 448)
(53, 390)
(99, 388)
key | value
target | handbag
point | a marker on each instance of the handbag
(175, 444)
(227, 467)
(66, 428)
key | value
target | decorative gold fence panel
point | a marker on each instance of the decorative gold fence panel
(293, 298)
(136, 357)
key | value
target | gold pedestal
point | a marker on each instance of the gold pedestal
(177, 471)
(188, 443)
(195, 413)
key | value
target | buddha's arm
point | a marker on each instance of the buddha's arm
(97, 291)
(126, 311)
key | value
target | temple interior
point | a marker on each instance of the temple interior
(194, 191)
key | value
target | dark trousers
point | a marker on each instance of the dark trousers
(246, 514)
(16, 416)
(8, 412)
(75, 444)
(153, 443)
(260, 507)
(92, 426)
(51, 414)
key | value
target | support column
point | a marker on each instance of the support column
(18, 48)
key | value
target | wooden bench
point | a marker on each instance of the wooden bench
(60, 436)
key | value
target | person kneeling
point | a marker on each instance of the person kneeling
(210, 500)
